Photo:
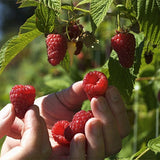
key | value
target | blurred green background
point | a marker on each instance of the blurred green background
(32, 67)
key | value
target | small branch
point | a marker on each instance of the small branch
(147, 78)
(146, 150)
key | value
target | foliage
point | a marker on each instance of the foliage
(97, 17)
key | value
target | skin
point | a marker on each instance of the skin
(103, 133)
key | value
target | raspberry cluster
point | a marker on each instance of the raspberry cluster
(94, 84)
(63, 131)
(57, 42)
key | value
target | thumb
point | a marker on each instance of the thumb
(7, 116)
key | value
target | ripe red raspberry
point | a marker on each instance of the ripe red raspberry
(78, 124)
(74, 30)
(95, 84)
(79, 46)
(22, 97)
(58, 132)
(56, 48)
(124, 44)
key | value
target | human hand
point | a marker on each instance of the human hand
(30, 137)
(103, 133)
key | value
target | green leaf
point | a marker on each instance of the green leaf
(45, 18)
(158, 3)
(66, 62)
(121, 78)
(54, 4)
(28, 3)
(12, 47)
(148, 16)
(154, 144)
(29, 25)
(83, 2)
(99, 10)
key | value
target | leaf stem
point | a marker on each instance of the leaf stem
(146, 150)
(82, 10)
(118, 21)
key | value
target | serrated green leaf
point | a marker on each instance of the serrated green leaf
(99, 10)
(13, 46)
(29, 25)
(28, 3)
(45, 18)
(158, 3)
(154, 144)
(148, 16)
(54, 4)
(83, 2)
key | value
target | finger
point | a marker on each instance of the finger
(7, 116)
(102, 112)
(95, 142)
(118, 109)
(73, 96)
(77, 147)
(35, 137)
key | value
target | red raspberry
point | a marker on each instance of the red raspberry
(95, 84)
(124, 44)
(79, 46)
(74, 30)
(56, 48)
(58, 132)
(148, 57)
(78, 124)
(22, 97)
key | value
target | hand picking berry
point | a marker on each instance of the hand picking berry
(22, 97)
(78, 124)
(58, 132)
(95, 84)
(124, 44)
(56, 48)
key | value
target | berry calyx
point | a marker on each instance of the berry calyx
(22, 97)
(124, 44)
(56, 48)
(95, 84)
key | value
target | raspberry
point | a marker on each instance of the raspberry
(56, 48)
(22, 97)
(148, 57)
(124, 44)
(78, 124)
(74, 30)
(58, 132)
(79, 46)
(95, 84)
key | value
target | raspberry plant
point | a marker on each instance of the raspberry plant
(59, 17)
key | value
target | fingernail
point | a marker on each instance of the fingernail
(100, 103)
(114, 95)
(4, 113)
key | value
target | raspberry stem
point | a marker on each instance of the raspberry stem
(118, 21)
